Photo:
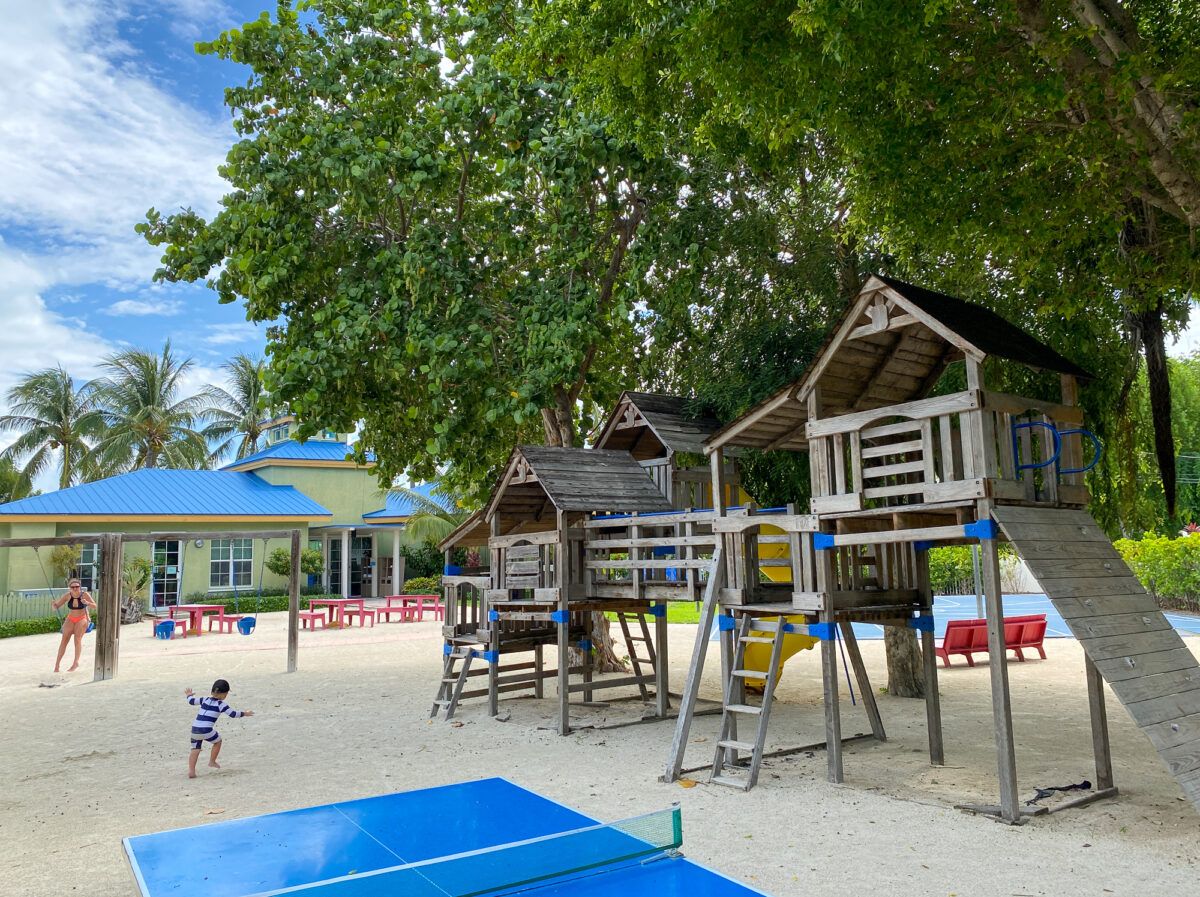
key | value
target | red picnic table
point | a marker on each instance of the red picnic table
(196, 614)
(338, 605)
(408, 605)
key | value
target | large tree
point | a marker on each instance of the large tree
(449, 248)
(149, 419)
(55, 420)
(1050, 142)
(235, 415)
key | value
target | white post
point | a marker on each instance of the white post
(397, 564)
(345, 584)
(325, 558)
(375, 568)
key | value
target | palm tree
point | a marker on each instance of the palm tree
(147, 422)
(433, 516)
(53, 417)
(237, 413)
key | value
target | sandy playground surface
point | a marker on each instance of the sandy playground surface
(83, 764)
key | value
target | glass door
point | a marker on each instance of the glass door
(360, 567)
(335, 566)
(166, 573)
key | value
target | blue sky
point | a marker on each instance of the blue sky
(107, 111)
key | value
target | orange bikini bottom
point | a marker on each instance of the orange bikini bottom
(79, 619)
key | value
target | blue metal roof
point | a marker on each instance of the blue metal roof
(159, 493)
(401, 505)
(291, 450)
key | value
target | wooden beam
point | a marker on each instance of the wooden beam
(293, 645)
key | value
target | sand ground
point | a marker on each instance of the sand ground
(83, 764)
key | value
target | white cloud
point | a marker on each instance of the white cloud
(1189, 340)
(145, 307)
(87, 144)
(230, 334)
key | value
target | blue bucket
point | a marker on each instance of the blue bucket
(246, 625)
(165, 629)
(451, 570)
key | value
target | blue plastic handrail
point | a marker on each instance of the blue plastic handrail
(1096, 444)
(1035, 465)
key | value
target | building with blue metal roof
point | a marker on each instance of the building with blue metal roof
(314, 486)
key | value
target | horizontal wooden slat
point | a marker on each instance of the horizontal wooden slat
(890, 470)
(891, 491)
(1158, 685)
(520, 568)
(884, 430)
(1117, 624)
(699, 564)
(1128, 667)
(846, 423)
(896, 448)
(1131, 644)
(1101, 605)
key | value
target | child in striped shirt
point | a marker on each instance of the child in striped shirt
(205, 726)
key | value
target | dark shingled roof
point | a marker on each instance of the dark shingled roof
(576, 479)
(986, 330)
(670, 417)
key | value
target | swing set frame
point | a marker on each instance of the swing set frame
(108, 611)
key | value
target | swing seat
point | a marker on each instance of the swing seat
(246, 625)
(91, 626)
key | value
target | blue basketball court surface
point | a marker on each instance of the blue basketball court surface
(963, 607)
(488, 837)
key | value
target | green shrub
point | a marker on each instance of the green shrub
(1168, 568)
(30, 627)
(950, 570)
(423, 585)
(279, 562)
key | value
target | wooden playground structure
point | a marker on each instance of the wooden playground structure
(109, 565)
(894, 471)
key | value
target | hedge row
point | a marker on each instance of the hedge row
(14, 628)
(1168, 568)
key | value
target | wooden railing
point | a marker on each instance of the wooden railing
(942, 449)
(648, 556)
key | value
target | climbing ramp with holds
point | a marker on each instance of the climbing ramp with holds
(1132, 644)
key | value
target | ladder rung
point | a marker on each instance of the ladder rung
(757, 639)
(740, 784)
(737, 745)
(743, 708)
(749, 674)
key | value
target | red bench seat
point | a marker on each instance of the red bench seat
(969, 637)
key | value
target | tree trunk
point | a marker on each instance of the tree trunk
(1154, 347)
(906, 667)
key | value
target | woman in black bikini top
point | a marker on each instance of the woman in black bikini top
(75, 625)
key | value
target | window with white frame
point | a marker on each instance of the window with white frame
(89, 561)
(230, 563)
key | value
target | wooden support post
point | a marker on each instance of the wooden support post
(494, 669)
(564, 659)
(731, 692)
(829, 671)
(108, 614)
(1099, 716)
(691, 685)
(293, 643)
(1006, 757)
(538, 691)
(933, 700)
(588, 658)
(662, 678)
(864, 684)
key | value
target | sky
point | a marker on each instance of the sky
(105, 111)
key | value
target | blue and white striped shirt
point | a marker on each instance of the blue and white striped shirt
(210, 709)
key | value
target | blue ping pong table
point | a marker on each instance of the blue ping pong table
(473, 838)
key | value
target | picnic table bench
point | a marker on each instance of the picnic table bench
(970, 637)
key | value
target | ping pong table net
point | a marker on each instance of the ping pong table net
(512, 867)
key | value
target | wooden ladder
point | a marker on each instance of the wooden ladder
(631, 643)
(451, 687)
(727, 770)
